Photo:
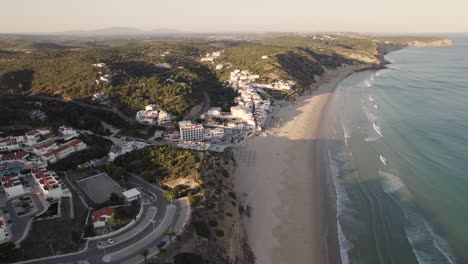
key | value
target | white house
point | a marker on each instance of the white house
(43, 148)
(164, 117)
(214, 111)
(47, 181)
(194, 145)
(12, 185)
(264, 57)
(100, 65)
(132, 195)
(68, 132)
(101, 217)
(4, 234)
(63, 151)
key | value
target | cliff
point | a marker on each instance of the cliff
(435, 43)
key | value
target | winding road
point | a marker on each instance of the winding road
(158, 215)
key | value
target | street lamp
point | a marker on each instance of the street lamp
(153, 221)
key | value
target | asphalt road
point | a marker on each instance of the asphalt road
(130, 250)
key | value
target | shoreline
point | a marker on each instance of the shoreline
(282, 177)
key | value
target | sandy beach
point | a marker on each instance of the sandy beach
(279, 176)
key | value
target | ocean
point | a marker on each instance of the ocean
(397, 143)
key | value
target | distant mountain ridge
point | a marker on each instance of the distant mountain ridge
(121, 31)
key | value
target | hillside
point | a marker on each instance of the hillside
(169, 72)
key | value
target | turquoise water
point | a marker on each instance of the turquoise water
(11, 170)
(398, 152)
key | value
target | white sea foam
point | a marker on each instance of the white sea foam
(345, 245)
(377, 129)
(391, 183)
(383, 160)
(427, 246)
(371, 139)
(372, 99)
(376, 106)
(341, 208)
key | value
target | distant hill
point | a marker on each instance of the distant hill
(121, 31)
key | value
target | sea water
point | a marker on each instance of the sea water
(397, 141)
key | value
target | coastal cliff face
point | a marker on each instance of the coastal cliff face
(436, 43)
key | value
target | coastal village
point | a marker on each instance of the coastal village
(119, 174)
(31, 188)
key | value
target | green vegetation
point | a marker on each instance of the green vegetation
(123, 215)
(219, 233)
(194, 200)
(202, 229)
(159, 163)
(89, 230)
(139, 74)
(187, 258)
(9, 253)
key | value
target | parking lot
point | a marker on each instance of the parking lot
(99, 187)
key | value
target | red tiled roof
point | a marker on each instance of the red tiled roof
(10, 180)
(65, 146)
(45, 178)
(33, 133)
(14, 155)
(8, 139)
(45, 145)
(99, 215)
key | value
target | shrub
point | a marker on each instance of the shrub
(187, 258)
(229, 214)
(219, 233)
(202, 229)
(232, 195)
(194, 200)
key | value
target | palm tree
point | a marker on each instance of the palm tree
(145, 255)
(170, 232)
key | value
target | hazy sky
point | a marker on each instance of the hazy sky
(20, 16)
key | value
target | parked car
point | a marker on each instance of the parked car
(161, 244)
(110, 241)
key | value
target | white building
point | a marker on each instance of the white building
(164, 117)
(68, 132)
(4, 232)
(152, 115)
(214, 111)
(100, 65)
(63, 151)
(125, 148)
(264, 57)
(101, 217)
(190, 131)
(214, 133)
(47, 181)
(194, 145)
(219, 67)
(12, 185)
(132, 195)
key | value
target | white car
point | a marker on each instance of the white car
(110, 241)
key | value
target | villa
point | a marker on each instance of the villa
(101, 217)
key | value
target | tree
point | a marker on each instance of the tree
(9, 253)
(170, 232)
(89, 230)
(114, 198)
(145, 255)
